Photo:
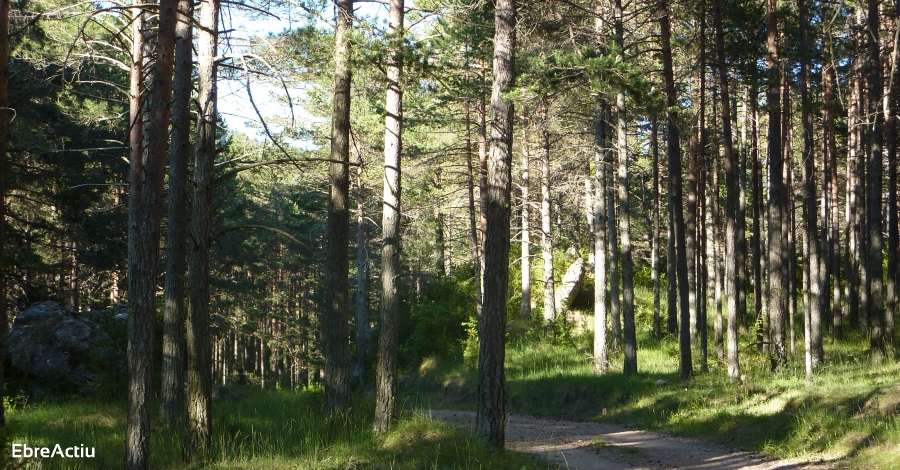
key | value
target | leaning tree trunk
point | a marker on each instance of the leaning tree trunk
(198, 434)
(337, 268)
(171, 407)
(145, 210)
(386, 375)
(732, 185)
(491, 411)
(874, 257)
(685, 368)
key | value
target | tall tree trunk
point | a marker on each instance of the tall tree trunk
(829, 111)
(892, 90)
(874, 256)
(629, 336)
(778, 282)
(813, 322)
(491, 411)
(386, 375)
(685, 367)
(853, 206)
(732, 185)
(145, 209)
(171, 408)
(601, 359)
(4, 146)
(546, 218)
(696, 147)
(654, 254)
(526, 238)
(757, 228)
(198, 435)
(335, 321)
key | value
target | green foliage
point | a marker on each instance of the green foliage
(435, 326)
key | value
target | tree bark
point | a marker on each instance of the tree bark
(685, 367)
(362, 295)
(335, 321)
(198, 435)
(629, 337)
(386, 375)
(491, 410)
(601, 359)
(874, 257)
(778, 282)
(893, 228)
(732, 185)
(145, 209)
(171, 408)
(813, 322)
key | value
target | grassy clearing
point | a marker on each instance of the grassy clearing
(264, 430)
(849, 414)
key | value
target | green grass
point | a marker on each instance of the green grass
(264, 430)
(849, 414)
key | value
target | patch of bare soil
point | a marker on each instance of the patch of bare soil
(589, 446)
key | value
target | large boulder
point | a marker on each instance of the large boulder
(570, 285)
(52, 348)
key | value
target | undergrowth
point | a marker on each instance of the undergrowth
(259, 429)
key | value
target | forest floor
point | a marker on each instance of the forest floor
(588, 446)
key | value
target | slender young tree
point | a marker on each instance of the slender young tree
(386, 375)
(362, 293)
(490, 415)
(145, 216)
(526, 237)
(732, 185)
(171, 407)
(198, 434)
(601, 360)
(335, 321)
(654, 254)
(546, 217)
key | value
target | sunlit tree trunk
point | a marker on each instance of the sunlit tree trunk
(198, 435)
(145, 208)
(601, 360)
(546, 218)
(386, 375)
(685, 368)
(526, 237)
(171, 407)
(732, 185)
(490, 415)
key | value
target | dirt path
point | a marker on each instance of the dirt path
(589, 446)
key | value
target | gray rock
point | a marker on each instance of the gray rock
(55, 348)
(570, 285)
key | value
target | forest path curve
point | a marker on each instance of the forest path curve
(589, 446)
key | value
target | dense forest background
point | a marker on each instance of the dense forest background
(733, 164)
